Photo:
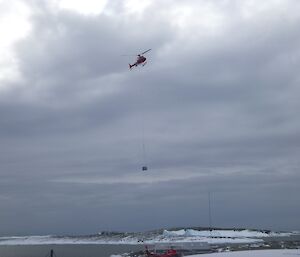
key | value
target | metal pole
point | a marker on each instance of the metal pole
(209, 212)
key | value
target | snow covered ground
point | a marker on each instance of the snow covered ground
(224, 233)
(182, 235)
(253, 253)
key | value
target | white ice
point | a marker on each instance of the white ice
(222, 233)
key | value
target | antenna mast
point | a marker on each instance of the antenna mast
(209, 211)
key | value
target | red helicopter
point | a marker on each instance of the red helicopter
(140, 60)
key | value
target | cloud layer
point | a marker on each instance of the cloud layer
(216, 107)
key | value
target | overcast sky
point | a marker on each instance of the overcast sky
(217, 107)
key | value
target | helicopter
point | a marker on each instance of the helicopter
(140, 60)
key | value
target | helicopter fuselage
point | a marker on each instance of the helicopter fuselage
(140, 60)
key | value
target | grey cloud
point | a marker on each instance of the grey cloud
(219, 108)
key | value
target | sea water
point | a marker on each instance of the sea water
(71, 250)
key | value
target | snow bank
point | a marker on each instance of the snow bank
(253, 253)
(222, 233)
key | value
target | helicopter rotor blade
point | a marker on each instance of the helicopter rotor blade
(136, 54)
(146, 51)
(128, 55)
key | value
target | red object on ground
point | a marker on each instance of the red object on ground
(168, 253)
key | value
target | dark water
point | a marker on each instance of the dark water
(66, 250)
(295, 238)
